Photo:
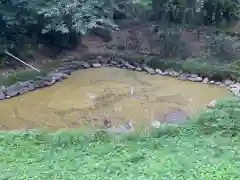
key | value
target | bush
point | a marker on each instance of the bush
(223, 119)
(217, 71)
(223, 47)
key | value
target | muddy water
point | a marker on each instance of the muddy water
(91, 96)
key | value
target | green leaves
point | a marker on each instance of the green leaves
(76, 16)
(61, 16)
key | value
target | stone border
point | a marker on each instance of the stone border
(67, 67)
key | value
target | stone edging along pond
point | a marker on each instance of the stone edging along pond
(67, 67)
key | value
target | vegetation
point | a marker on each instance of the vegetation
(64, 21)
(206, 148)
(59, 24)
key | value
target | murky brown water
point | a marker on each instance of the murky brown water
(96, 94)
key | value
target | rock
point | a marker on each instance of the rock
(135, 64)
(205, 80)
(193, 75)
(156, 124)
(195, 79)
(174, 73)
(212, 104)
(234, 85)
(23, 90)
(49, 83)
(57, 76)
(219, 83)
(165, 73)
(102, 61)
(39, 84)
(127, 65)
(2, 95)
(12, 93)
(85, 65)
(67, 71)
(18, 88)
(113, 63)
(14, 89)
(93, 61)
(198, 79)
(149, 70)
(222, 85)
(96, 65)
(183, 77)
(228, 82)
(159, 71)
(235, 88)
(31, 87)
(211, 82)
(138, 69)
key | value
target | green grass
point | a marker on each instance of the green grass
(30, 74)
(210, 69)
(207, 148)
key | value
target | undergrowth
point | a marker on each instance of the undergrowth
(29, 74)
(205, 148)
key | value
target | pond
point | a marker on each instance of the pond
(93, 96)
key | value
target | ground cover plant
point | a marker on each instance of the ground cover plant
(208, 147)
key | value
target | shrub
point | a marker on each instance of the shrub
(223, 119)
(223, 47)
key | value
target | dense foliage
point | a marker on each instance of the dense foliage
(27, 18)
(69, 19)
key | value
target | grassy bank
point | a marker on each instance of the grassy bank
(25, 75)
(210, 69)
(206, 148)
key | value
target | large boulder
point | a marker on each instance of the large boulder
(19, 88)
